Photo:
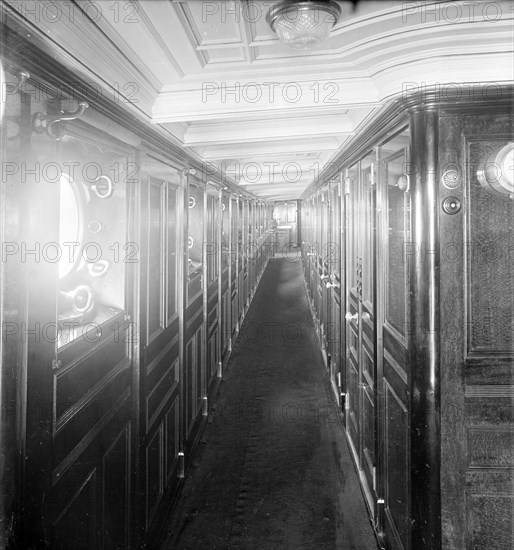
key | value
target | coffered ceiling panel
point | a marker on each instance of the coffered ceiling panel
(211, 23)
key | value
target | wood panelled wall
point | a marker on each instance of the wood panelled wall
(477, 338)
(109, 357)
(425, 376)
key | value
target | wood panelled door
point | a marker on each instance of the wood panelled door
(334, 284)
(366, 224)
(360, 321)
(393, 249)
(160, 347)
(353, 291)
(477, 311)
(80, 445)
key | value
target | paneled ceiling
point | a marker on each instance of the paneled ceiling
(216, 79)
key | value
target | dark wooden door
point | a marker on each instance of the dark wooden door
(194, 359)
(360, 322)
(334, 284)
(394, 244)
(212, 294)
(367, 356)
(225, 273)
(80, 434)
(325, 259)
(160, 343)
(235, 247)
(477, 313)
(317, 266)
(352, 307)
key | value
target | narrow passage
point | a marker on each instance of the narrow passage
(273, 470)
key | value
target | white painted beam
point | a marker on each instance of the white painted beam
(266, 130)
(221, 152)
(216, 99)
(251, 172)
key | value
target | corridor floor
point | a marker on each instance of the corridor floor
(273, 470)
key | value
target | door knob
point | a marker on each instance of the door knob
(352, 316)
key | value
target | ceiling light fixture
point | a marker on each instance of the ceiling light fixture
(303, 24)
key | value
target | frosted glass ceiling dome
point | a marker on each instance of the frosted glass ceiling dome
(303, 25)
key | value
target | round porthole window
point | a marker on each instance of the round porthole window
(498, 171)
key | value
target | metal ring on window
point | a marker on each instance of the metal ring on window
(191, 202)
(190, 242)
(96, 189)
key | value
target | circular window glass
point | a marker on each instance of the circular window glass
(70, 226)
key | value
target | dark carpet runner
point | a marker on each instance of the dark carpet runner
(273, 470)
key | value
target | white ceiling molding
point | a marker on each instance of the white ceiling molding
(450, 75)
(238, 150)
(215, 77)
(236, 131)
(219, 99)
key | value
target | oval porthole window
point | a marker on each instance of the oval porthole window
(70, 226)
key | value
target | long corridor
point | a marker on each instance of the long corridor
(273, 470)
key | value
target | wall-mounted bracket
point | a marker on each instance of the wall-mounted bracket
(23, 76)
(52, 125)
